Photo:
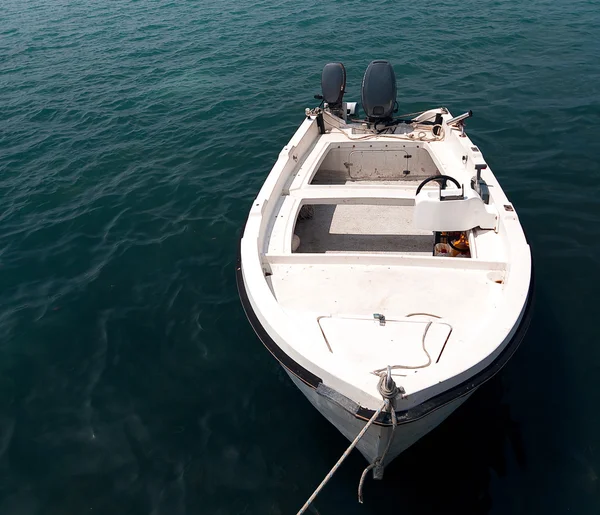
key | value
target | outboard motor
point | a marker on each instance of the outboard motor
(333, 86)
(379, 91)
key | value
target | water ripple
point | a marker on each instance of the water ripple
(133, 137)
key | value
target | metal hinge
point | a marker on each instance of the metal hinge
(380, 317)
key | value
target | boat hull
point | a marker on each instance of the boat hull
(373, 443)
(485, 301)
(414, 423)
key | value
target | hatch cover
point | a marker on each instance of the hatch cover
(397, 342)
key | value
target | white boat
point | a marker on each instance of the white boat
(384, 242)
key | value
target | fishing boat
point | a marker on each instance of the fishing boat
(382, 261)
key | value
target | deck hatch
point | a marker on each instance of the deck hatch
(397, 342)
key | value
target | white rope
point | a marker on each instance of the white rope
(421, 136)
(389, 393)
(421, 132)
(378, 372)
(343, 457)
(388, 390)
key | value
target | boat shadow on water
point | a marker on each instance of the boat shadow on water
(447, 471)
(450, 469)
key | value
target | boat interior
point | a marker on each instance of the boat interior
(344, 247)
(365, 227)
(374, 239)
(360, 197)
(355, 188)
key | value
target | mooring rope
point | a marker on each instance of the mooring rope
(388, 390)
(340, 461)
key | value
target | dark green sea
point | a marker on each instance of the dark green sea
(133, 138)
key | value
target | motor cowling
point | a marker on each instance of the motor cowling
(333, 84)
(378, 93)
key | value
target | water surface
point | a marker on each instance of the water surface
(133, 138)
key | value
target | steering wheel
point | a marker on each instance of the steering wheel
(443, 179)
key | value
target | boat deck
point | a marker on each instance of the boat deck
(361, 228)
(337, 288)
(344, 246)
(341, 276)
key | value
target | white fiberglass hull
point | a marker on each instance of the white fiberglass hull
(373, 443)
(340, 278)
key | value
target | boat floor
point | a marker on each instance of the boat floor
(341, 177)
(361, 228)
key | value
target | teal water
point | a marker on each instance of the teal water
(133, 137)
